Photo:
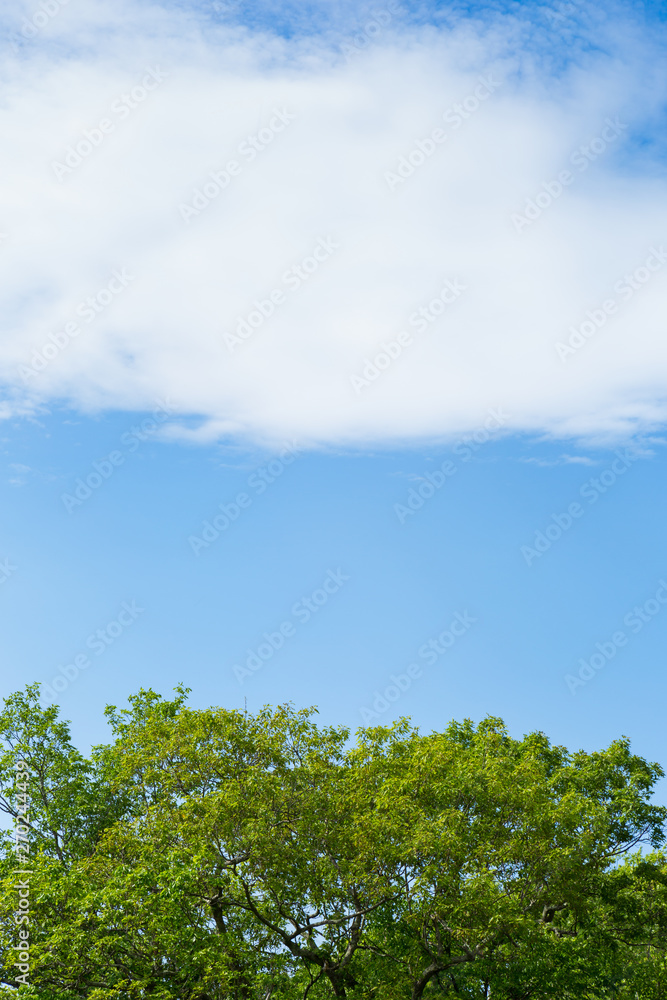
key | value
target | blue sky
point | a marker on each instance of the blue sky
(409, 575)
(234, 484)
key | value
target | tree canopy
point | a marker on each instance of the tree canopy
(219, 855)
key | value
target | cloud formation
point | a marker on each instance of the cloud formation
(290, 238)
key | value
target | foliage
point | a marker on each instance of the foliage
(216, 855)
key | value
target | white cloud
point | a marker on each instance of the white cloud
(323, 177)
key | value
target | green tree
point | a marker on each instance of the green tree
(217, 855)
